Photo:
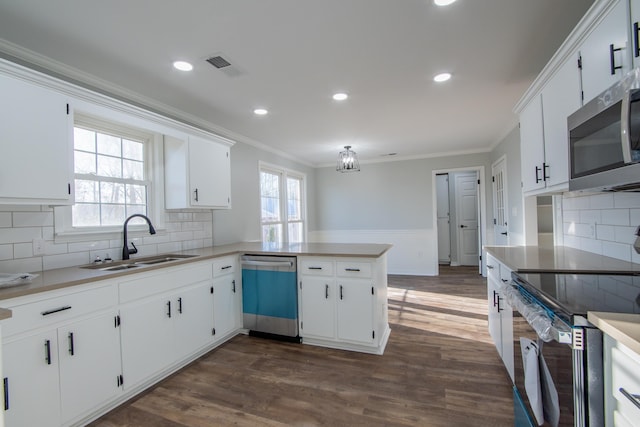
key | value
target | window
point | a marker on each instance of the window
(282, 205)
(112, 177)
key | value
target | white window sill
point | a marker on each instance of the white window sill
(115, 233)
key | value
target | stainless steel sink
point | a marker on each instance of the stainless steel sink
(138, 262)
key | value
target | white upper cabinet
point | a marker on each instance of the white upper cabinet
(560, 98)
(36, 144)
(197, 173)
(635, 32)
(605, 52)
(532, 146)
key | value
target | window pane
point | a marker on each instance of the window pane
(295, 232)
(272, 233)
(109, 166)
(84, 162)
(136, 209)
(87, 191)
(85, 215)
(294, 200)
(112, 215)
(84, 140)
(270, 200)
(111, 192)
(132, 169)
(136, 195)
(132, 150)
(111, 145)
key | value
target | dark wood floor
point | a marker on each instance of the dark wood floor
(439, 369)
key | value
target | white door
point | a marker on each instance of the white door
(209, 173)
(442, 211)
(224, 305)
(192, 315)
(466, 186)
(355, 310)
(500, 205)
(317, 300)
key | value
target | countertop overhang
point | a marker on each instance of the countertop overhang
(49, 280)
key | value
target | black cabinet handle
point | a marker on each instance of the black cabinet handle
(538, 179)
(326, 291)
(196, 192)
(498, 301)
(315, 268)
(169, 309)
(504, 233)
(233, 286)
(633, 398)
(545, 177)
(71, 351)
(636, 48)
(180, 305)
(490, 267)
(495, 298)
(56, 310)
(226, 267)
(6, 393)
(352, 269)
(612, 51)
(341, 295)
(47, 352)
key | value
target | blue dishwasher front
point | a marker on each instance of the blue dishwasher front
(270, 296)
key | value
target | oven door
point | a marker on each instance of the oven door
(543, 365)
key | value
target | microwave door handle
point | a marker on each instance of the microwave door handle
(624, 126)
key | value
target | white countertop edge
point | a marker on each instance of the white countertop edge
(623, 327)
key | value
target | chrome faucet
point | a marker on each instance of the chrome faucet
(125, 248)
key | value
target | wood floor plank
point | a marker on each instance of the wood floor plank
(440, 368)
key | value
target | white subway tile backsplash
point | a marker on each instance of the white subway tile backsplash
(5, 219)
(23, 250)
(50, 262)
(6, 252)
(571, 216)
(590, 216)
(591, 245)
(625, 234)
(626, 200)
(616, 250)
(615, 216)
(32, 219)
(605, 232)
(600, 201)
(634, 215)
(19, 235)
(20, 225)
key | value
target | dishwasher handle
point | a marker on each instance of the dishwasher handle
(288, 264)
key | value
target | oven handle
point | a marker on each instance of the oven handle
(537, 318)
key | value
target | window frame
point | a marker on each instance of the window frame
(284, 173)
(153, 160)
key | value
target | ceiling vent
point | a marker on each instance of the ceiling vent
(222, 64)
(218, 62)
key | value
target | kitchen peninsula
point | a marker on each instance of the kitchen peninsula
(139, 324)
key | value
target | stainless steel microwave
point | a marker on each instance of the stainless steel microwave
(604, 140)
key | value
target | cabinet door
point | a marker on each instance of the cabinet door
(635, 29)
(560, 98)
(224, 305)
(492, 299)
(317, 307)
(597, 68)
(34, 120)
(31, 373)
(506, 336)
(532, 145)
(89, 353)
(355, 310)
(193, 320)
(146, 331)
(209, 173)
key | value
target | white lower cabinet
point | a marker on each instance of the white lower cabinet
(61, 362)
(500, 317)
(227, 297)
(343, 303)
(621, 384)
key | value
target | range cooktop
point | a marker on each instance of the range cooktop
(575, 294)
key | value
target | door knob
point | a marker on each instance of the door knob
(462, 226)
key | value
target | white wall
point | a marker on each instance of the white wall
(389, 202)
(602, 223)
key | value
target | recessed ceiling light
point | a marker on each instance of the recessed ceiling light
(340, 96)
(260, 111)
(443, 77)
(182, 66)
(443, 2)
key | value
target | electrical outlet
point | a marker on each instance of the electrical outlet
(38, 247)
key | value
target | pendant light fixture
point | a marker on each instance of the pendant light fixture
(348, 161)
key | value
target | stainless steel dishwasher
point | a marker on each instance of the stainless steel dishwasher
(270, 296)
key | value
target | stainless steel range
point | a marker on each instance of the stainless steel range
(558, 353)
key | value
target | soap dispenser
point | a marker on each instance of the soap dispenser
(636, 245)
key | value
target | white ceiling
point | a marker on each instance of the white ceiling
(292, 55)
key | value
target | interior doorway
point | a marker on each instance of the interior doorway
(458, 209)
